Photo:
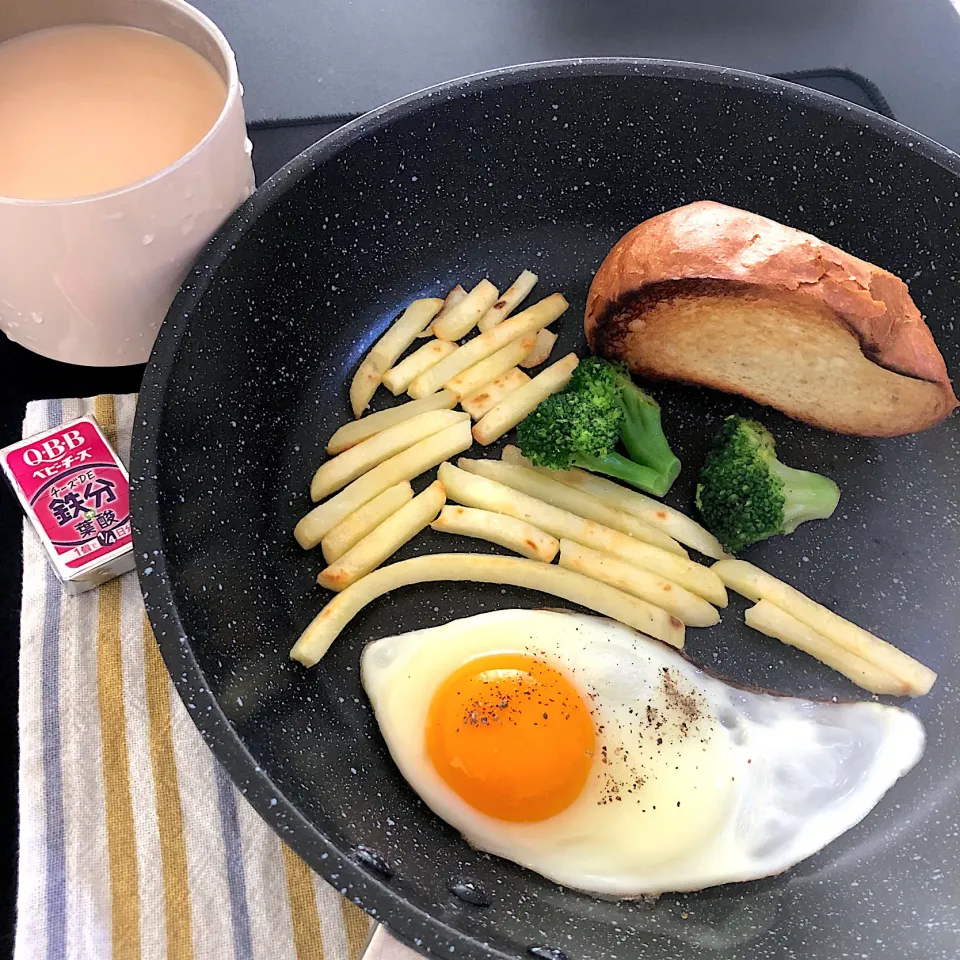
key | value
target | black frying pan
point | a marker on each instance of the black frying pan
(542, 167)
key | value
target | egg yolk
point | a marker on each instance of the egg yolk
(512, 736)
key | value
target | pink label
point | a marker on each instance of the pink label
(77, 490)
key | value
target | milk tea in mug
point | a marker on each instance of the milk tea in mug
(123, 150)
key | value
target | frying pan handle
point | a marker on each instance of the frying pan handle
(381, 946)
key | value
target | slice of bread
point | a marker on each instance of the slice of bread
(715, 296)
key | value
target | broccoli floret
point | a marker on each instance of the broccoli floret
(642, 433)
(746, 494)
(580, 427)
(566, 426)
(600, 381)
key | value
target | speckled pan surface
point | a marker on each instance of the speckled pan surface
(542, 167)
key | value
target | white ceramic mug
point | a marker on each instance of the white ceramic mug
(89, 280)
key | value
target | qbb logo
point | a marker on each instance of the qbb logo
(53, 448)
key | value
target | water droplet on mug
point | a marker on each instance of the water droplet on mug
(248, 146)
(36, 317)
(188, 193)
(148, 238)
(118, 215)
(186, 227)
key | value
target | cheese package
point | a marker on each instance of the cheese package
(76, 494)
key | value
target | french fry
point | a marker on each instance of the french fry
(769, 619)
(450, 301)
(386, 351)
(672, 522)
(556, 494)
(402, 466)
(694, 611)
(455, 296)
(398, 378)
(756, 584)
(354, 528)
(515, 535)
(352, 463)
(511, 299)
(479, 348)
(385, 540)
(475, 491)
(496, 365)
(516, 571)
(485, 399)
(541, 349)
(350, 434)
(460, 319)
(513, 408)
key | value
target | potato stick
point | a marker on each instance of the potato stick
(386, 351)
(460, 319)
(474, 491)
(355, 527)
(513, 408)
(496, 365)
(398, 378)
(756, 584)
(455, 296)
(516, 571)
(769, 619)
(385, 540)
(511, 299)
(452, 299)
(511, 454)
(556, 494)
(352, 463)
(656, 514)
(477, 404)
(479, 348)
(405, 465)
(694, 611)
(350, 434)
(541, 349)
(515, 535)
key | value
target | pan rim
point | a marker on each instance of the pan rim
(416, 928)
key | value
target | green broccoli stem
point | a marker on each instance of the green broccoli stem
(615, 465)
(642, 435)
(807, 496)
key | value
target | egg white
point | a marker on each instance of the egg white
(700, 783)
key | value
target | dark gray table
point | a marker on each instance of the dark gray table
(326, 57)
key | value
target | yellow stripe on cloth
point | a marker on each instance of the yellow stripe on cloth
(304, 917)
(173, 845)
(121, 836)
(105, 412)
(357, 925)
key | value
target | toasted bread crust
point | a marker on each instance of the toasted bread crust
(715, 248)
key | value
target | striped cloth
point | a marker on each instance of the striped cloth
(134, 844)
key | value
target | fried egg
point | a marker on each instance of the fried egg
(607, 762)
